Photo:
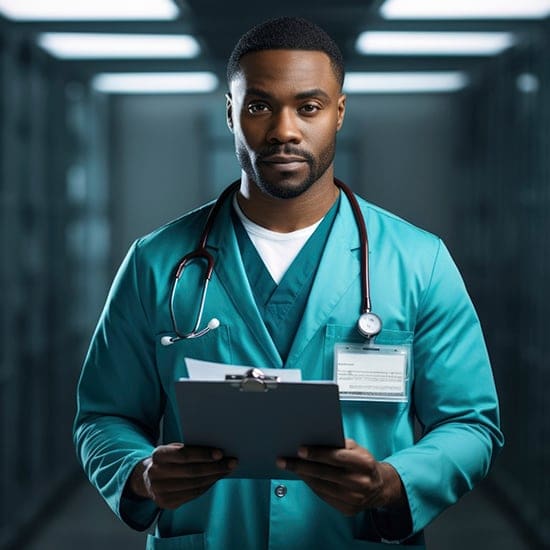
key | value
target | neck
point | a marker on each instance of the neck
(286, 215)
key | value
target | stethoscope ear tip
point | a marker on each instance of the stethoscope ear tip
(167, 340)
(213, 323)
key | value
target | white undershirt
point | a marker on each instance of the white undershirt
(277, 250)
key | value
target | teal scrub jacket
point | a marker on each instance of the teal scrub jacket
(126, 402)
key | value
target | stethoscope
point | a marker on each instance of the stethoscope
(368, 324)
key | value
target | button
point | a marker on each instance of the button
(280, 491)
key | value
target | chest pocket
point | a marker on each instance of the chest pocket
(381, 427)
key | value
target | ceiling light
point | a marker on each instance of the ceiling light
(155, 83)
(465, 9)
(433, 43)
(77, 10)
(102, 46)
(528, 83)
(404, 82)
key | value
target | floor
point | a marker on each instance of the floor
(85, 523)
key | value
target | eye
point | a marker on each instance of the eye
(309, 109)
(257, 107)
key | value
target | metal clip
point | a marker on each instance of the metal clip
(254, 380)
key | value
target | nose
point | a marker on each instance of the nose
(284, 127)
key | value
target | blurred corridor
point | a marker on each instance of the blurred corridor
(85, 170)
(477, 523)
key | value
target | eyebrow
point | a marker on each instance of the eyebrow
(315, 92)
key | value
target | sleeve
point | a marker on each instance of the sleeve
(119, 398)
(454, 398)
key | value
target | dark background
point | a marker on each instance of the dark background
(82, 174)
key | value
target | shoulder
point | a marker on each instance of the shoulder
(190, 221)
(389, 230)
(167, 244)
(178, 232)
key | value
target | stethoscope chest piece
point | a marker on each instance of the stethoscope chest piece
(369, 325)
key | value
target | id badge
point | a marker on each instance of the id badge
(372, 372)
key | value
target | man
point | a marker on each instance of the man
(286, 289)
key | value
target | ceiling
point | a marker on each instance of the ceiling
(221, 23)
(218, 24)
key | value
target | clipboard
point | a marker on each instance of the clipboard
(258, 419)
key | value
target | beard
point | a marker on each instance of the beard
(285, 186)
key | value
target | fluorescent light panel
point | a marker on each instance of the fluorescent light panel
(96, 10)
(155, 83)
(404, 82)
(465, 9)
(105, 46)
(433, 43)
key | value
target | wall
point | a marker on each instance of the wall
(83, 175)
(169, 154)
(408, 150)
(506, 260)
(160, 161)
(53, 244)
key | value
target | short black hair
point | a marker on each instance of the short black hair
(286, 33)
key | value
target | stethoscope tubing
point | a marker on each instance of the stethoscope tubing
(201, 253)
(364, 246)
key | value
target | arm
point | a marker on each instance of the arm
(120, 406)
(454, 397)
(455, 400)
(119, 398)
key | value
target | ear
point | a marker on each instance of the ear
(341, 111)
(229, 110)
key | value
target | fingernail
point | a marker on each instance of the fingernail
(302, 452)
(281, 463)
(217, 454)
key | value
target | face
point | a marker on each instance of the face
(284, 109)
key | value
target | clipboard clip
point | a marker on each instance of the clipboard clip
(253, 380)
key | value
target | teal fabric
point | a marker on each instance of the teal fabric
(126, 387)
(281, 306)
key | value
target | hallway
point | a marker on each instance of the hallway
(454, 141)
(85, 522)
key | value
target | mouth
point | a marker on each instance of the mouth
(282, 159)
(284, 163)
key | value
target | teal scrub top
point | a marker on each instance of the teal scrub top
(126, 397)
(282, 305)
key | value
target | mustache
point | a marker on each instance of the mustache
(284, 150)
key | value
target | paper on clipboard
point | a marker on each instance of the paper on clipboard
(259, 426)
(207, 370)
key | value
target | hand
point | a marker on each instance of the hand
(176, 473)
(349, 479)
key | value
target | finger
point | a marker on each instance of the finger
(323, 471)
(173, 492)
(333, 496)
(353, 456)
(304, 468)
(355, 497)
(178, 453)
(174, 499)
(184, 485)
(173, 472)
(359, 481)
